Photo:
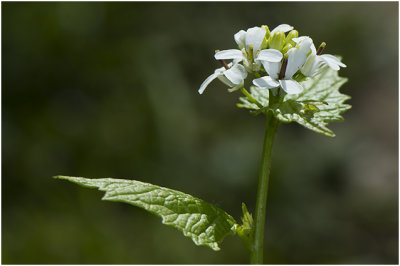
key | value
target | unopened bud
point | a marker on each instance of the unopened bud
(292, 34)
(267, 32)
(277, 40)
(264, 44)
(287, 47)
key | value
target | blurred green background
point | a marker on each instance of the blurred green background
(110, 90)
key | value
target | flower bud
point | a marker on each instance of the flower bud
(292, 34)
(276, 41)
(287, 47)
(264, 44)
(267, 32)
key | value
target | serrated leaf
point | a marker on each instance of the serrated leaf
(203, 222)
(318, 104)
(291, 110)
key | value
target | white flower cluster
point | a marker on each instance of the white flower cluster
(273, 57)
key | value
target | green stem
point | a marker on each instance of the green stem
(251, 98)
(256, 253)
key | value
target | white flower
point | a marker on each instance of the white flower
(233, 77)
(253, 36)
(249, 43)
(282, 28)
(314, 63)
(272, 62)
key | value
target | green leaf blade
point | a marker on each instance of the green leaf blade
(203, 222)
(318, 104)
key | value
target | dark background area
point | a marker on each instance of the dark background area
(110, 90)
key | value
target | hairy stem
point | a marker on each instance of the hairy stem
(256, 253)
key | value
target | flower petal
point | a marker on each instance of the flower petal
(207, 81)
(239, 86)
(282, 27)
(240, 39)
(302, 38)
(236, 74)
(226, 81)
(299, 39)
(313, 50)
(270, 55)
(255, 37)
(297, 57)
(291, 86)
(272, 68)
(266, 82)
(229, 54)
(332, 61)
(310, 66)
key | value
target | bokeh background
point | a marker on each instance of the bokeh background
(110, 90)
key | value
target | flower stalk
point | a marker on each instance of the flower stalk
(251, 98)
(256, 252)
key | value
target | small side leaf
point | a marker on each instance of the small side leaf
(203, 222)
(246, 230)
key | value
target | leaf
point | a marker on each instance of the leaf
(246, 230)
(203, 222)
(304, 114)
(318, 104)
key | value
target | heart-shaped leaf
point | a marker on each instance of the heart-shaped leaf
(203, 222)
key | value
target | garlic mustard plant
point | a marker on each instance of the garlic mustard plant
(292, 82)
(289, 81)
